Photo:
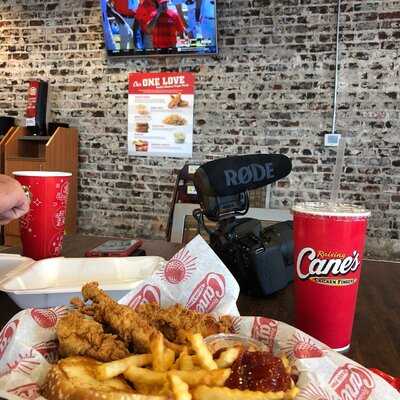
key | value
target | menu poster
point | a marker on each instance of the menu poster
(160, 114)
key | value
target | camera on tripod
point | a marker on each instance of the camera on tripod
(261, 260)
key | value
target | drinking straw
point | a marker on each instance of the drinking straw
(340, 150)
(337, 61)
(338, 170)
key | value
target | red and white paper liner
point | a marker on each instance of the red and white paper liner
(200, 281)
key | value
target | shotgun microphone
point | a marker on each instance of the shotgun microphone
(236, 174)
(261, 259)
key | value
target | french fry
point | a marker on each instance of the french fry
(157, 351)
(117, 367)
(169, 358)
(150, 390)
(186, 363)
(286, 364)
(216, 377)
(145, 376)
(205, 357)
(223, 393)
(180, 389)
(292, 393)
(228, 357)
(173, 346)
(177, 362)
(184, 355)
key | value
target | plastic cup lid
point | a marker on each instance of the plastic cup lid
(41, 173)
(331, 209)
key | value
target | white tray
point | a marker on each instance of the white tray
(53, 281)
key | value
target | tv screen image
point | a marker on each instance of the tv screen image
(154, 27)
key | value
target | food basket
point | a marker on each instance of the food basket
(196, 278)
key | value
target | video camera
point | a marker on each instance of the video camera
(261, 260)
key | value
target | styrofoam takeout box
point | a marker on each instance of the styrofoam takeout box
(53, 281)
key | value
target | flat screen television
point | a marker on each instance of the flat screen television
(159, 27)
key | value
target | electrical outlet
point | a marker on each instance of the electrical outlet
(332, 139)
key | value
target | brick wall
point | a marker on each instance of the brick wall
(270, 89)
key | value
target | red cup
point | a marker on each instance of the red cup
(42, 228)
(329, 242)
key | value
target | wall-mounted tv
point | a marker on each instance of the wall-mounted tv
(159, 27)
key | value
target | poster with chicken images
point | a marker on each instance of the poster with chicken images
(160, 114)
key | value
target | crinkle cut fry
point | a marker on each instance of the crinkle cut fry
(124, 321)
(80, 335)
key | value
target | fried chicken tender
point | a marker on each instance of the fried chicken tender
(177, 101)
(129, 325)
(81, 335)
(176, 322)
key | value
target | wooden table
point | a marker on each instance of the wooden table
(376, 333)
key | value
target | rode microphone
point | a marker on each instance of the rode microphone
(222, 184)
(260, 259)
(236, 174)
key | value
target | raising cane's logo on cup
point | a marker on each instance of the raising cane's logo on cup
(148, 294)
(207, 294)
(326, 268)
(351, 382)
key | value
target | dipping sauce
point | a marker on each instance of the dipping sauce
(260, 371)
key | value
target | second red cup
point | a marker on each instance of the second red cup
(42, 228)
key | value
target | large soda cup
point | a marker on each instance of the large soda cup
(42, 228)
(329, 242)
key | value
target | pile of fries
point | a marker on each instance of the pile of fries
(190, 374)
(172, 361)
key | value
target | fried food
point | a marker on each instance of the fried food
(180, 389)
(81, 335)
(174, 119)
(177, 322)
(163, 374)
(74, 378)
(204, 355)
(129, 325)
(174, 322)
(228, 356)
(177, 101)
(118, 367)
(157, 351)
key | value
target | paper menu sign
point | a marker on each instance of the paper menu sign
(160, 114)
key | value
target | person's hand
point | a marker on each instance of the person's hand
(14, 203)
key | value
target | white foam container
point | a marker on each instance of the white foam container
(53, 281)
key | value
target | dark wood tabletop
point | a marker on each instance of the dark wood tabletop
(376, 332)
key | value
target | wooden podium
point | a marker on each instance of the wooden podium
(3, 140)
(58, 152)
